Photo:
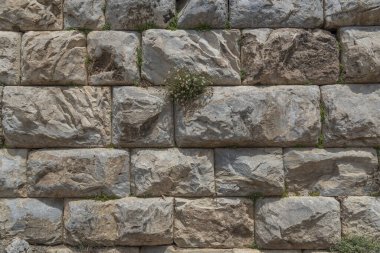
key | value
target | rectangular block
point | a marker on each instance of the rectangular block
(214, 53)
(83, 249)
(251, 116)
(10, 44)
(85, 14)
(56, 117)
(75, 173)
(172, 249)
(12, 172)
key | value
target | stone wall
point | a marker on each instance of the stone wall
(281, 155)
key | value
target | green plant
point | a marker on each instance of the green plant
(146, 26)
(103, 197)
(243, 74)
(173, 24)
(87, 60)
(85, 31)
(314, 193)
(357, 244)
(203, 27)
(285, 194)
(106, 27)
(321, 140)
(255, 196)
(227, 25)
(341, 74)
(253, 246)
(139, 57)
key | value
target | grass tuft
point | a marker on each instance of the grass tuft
(203, 27)
(173, 24)
(139, 57)
(103, 198)
(357, 244)
(146, 26)
(314, 193)
(106, 27)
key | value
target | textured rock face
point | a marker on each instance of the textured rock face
(10, 43)
(254, 116)
(196, 223)
(173, 172)
(360, 215)
(171, 249)
(203, 13)
(12, 172)
(215, 53)
(135, 14)
(244, 172)
(352, 115)
(128, 221)
(297, 223)
(78, 173)
(142, 117)
(289, 56)
(351, 12)
(38, 221)
(84, 14)
(113, 57)
(84, 249)
(361, 53)
(53, 58)
(331, 172)
(56, 117)
(18, 246)
(285, 13)
(31, 15)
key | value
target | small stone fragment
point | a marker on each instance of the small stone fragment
(18, 246)
(10, 44)
(85, 14)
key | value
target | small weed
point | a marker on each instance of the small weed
(103, 198)
(106, 27)
(243, 74)
(323, 112)
(314, 193)
(321, 141)
(375, 194)
(285, 194)
(173, 24)
(85, 31)
(255, 196)
(342, 73)
(227, 25)
(203, 27)
(139, 57)
(309, 82)
(87, 60)
(146, 26)
(253, 246)
(357, 244)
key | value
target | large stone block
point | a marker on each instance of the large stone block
(38, 221)
(215, 53)
(289, 56)
(31, 15)
(245, 172)
(138, 14)
(285, 13)
(113, 57)
(53, 58)
(297, 223)
(87, 14)
(77, 173)
(360, 54)
(173, 249)
(351, 12)
(10, 46)
(128, 221)
(251, 116)
(173, 172)
(331, 172)
(218, 223)
(142, 117)
(56, 117)
(82, 249)
(351, 115)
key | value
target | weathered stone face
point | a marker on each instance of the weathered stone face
(297, 223)
(285, 13)
(53, 58)
(142, 117)
(78, 173)
(38, 221)
(10, 43)
(218, 223)
(352, 115)
(86, 14)
(83, 249)
(56, 117)
(360, 53)
(289, 56)
(113, 57)
(244, 172)
(214, 53)
(171, 249)
(173, 172)
(17, 246)
(127, 221)
(254, 116)
(136, 14)
(31, 15)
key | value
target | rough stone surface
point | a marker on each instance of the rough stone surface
(10, 44)
(142, 117)
(360, 54)
(289, 56)
(285, 13)
(53, 58)
(215, 53)
(85, 249)
(297, 223)
(251, 116)
(78, 173)
(218, 223)
(203, 13)
(56, 117)
(331, 172)
(38, 221)
(136, 14)
(12, 172)
(113, 57)
(352, 115)
(18, 246)
(31, 15)
(86, 14)
(128, 221)
(351, 12)
(173, 172)
(244, 172)
(172, 249)
(361, 216)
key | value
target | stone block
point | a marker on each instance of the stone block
(85, 14)
(10, 46)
